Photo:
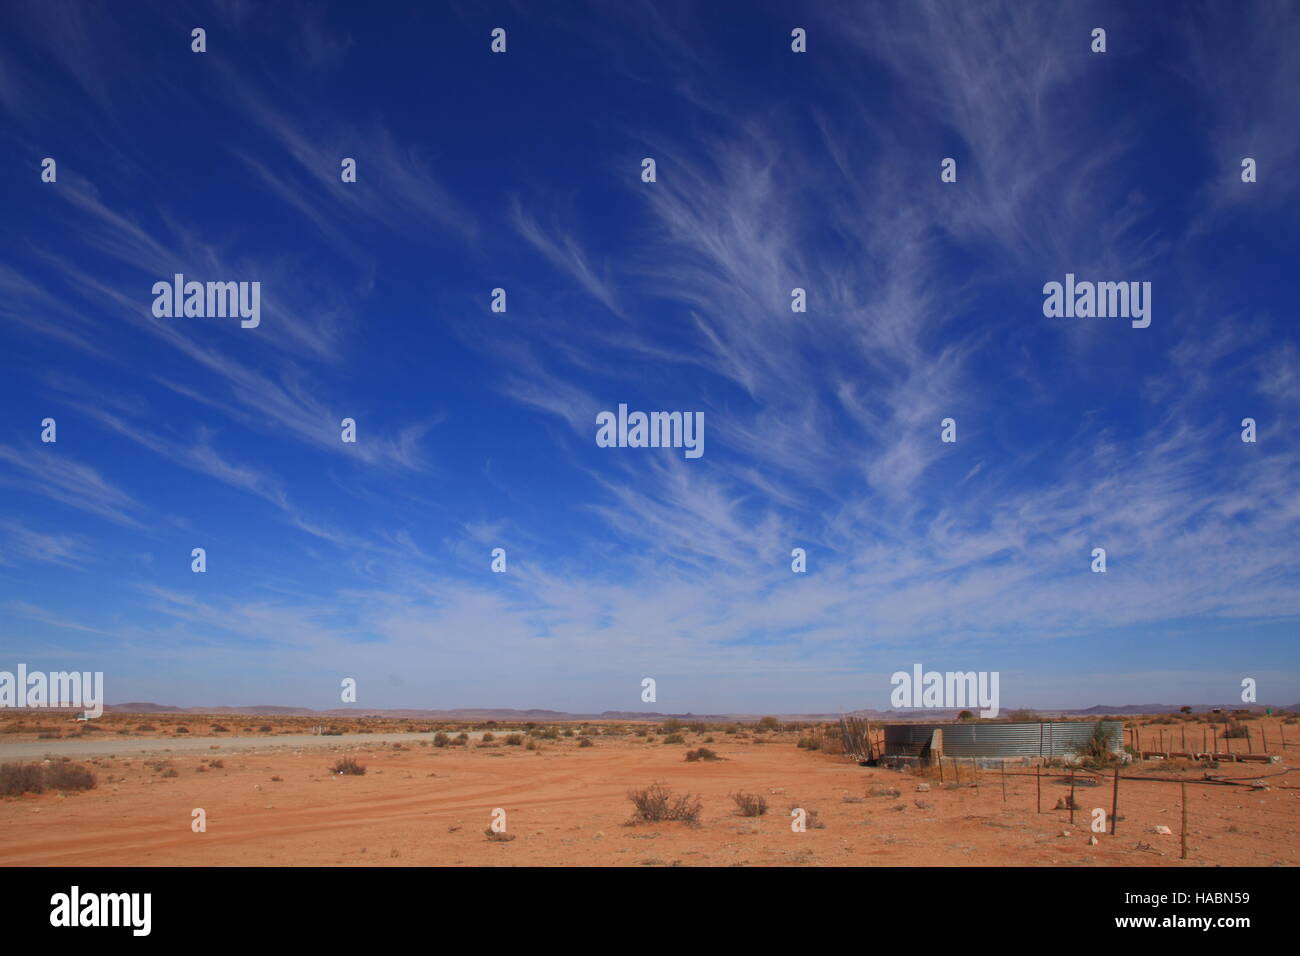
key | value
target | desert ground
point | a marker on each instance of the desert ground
(270, 796)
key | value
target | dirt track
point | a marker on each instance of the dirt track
(152, 746)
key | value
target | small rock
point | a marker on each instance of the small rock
(922, 804)
(1093, 841)
(600, 835)
(922, 788)
(1065, 833)
(1162, 830)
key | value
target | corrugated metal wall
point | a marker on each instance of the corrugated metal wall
(979, 739)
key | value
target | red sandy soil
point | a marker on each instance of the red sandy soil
(566, 805)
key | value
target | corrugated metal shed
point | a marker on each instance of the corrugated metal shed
(985, 739)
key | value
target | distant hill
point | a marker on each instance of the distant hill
(513, 714)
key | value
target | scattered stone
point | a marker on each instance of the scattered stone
(1093, 841)
(922, 788)
(1162, 830)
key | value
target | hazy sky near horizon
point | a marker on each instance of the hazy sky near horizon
(476, 430)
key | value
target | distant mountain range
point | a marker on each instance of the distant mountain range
(510, 714)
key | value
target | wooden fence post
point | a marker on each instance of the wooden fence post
(1114, 805)
(1184, 790)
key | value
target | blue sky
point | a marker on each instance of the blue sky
(476, 430)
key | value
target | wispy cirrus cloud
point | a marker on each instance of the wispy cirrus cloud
(45, 471)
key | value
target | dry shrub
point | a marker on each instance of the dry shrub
(349, 767)
(69, 776)
(656, 804)
(750, 804)
(704, 753)
(20, 778)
